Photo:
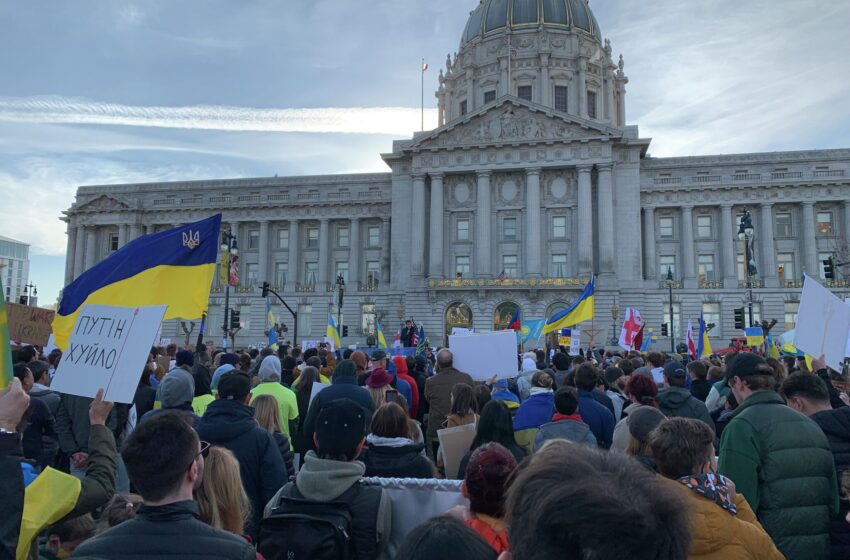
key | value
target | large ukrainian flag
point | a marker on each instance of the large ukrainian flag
(581, 310)
(173, 268)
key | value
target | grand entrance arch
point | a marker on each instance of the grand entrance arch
(503, 314)
(458, 315)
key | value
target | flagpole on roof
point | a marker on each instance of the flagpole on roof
(423, 68)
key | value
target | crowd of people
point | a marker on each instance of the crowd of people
(278, 454)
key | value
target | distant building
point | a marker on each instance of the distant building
(14, 267)
(532, 181)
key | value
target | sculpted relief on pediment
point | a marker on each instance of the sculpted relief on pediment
(103, 203)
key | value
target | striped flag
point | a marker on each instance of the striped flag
(271, 325)
(421, 342)
(382, 341)
(5, 346)
(692, 347)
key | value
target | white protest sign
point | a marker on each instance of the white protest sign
(330, 342)
(164, 341)
(317, 388)
(307, 344)
(823, 324)
(108, 349)
(483, 355)
(461, 330)
(847, 352)
(575, 342)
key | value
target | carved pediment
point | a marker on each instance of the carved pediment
(103, 203)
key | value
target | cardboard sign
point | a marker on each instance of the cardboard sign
(108, 349)
(454, 443)
(486, 354)
(29, 325)
(823, 324)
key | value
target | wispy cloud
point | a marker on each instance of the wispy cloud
(349, 120)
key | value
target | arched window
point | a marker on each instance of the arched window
(503, 315)
(556, 307)
(458, 315)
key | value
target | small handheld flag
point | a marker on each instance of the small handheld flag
(755, 336)
(421, 343)
(382, 341)
(704, 349)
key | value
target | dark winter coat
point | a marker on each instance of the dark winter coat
(700, 389)
(144, 399)
(231, 424)
(342, 387)
(599, 419)
(836, 425)
(782, 463)
(396, 462)
(170, 531)
(285, 452)
(39, 427)
(569, 430)
(677, 402)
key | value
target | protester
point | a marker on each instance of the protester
(808, 394)
(502, 394)
(528, 369)
(229, 422)
(269, 373)
(561, 363)
(121, 508)
(267, 414)
(402, 373)
(222, 501)
(677, 402)
(287, 371)
(219, 372)
(38, 421)
(643, 421)
(64, 537)
(722, 523)
(495, 426)
(535, 411)
(378, 383)
(446, 538)
(309, 375)
(566, 422)
(438, 391)
(203, 391)
(329, 477)
(390, 450)
(145, 396)
(176, 392)
(417, 368)
(700, 385)
(165, 461)
(787, 475)
(464, 407)
(599, 418)
(611, 378)
(577, 502)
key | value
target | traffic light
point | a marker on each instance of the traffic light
(739, 318)
(235, 323)
(266, 289)
(829, 269)
(344, 331)
(665, 330)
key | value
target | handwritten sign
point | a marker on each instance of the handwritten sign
(29, 325)
(108, 349)
(822, 324)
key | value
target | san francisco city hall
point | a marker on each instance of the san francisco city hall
(531, 182)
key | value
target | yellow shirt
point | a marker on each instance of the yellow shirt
(286, 402)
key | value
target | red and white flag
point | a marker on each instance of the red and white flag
(692, 345)
(397, 341)
(631, 327)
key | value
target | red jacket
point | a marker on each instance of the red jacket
(401, 370)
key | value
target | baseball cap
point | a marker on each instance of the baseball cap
(340, 427)
(643, 420)
(675, 370)
(378, 355)
(234, 386)
(176, 389)
(747, 363)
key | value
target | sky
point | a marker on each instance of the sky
(97, 92)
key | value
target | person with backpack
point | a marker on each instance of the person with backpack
(328, 512)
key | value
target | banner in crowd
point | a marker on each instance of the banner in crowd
(108, 349)
(486, 354)
(823, 324)
(29, 325)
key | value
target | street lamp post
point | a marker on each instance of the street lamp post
(670, 288)
(746, 232)
(26, 299)
(615, 314)
(229, 246)
(340, 284)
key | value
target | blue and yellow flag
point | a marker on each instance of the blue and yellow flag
(531, 330)
(703, 344)
(382, 341)
(271, 324)
(5, 345)
(332, 332)
(755, 336)
(581, 310)
(649, 338)
(173, 268)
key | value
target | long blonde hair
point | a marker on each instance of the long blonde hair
(221, 496)
(267, 413)
(379, 396)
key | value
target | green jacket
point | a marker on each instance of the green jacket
(782, 464)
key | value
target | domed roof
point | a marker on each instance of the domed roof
(494, 15)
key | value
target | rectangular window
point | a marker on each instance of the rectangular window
(283, 239)
(704, 228)
(711, 314)
(462, 267)
(822, 257)
(280, 270)
(254, 239)
(677, 318)
(462, 230)
(373, 272)
(665, 263)
(559, 227)
(463, 107)
(113, 242)
(591, 104)
(374, 236)
(559, 266)
(665, 227)
(250, 274)
(791, 310)
(343, 237)
(524, 92)
(561, 97)
(509, 266)
(311, 271)
(756, 312)
(305, 319)
(824, 226)
(341, 269)
(705, 264)
(509, 228)
(786, 269)
(312, 237)
(783, 224)
(489, 96)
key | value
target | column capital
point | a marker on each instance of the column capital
(605, 167)
(481, 173)
(767, 204)
(726, 205)
(533, 171)
(419, 177)
(687, 209)
(809, 204)
(437, 175)
(324, 220)
(263, 221)
(354, 220)
(584, 168)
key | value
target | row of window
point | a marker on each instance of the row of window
(561, 99)
(712, 315)
(510, 266)
(707, 272)
(311, 272)
(509, 228)
(343, 237)
(783, 225)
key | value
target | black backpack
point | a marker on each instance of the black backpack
(299, 529)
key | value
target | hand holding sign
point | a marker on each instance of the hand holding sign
(99, 409)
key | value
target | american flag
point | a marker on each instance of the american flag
(414, 336)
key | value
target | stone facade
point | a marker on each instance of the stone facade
(515, 199)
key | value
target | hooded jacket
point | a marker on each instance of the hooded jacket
(402, 373)
(678, 402)
(836, 425)
(597, 417)
(570, 428)
(395, 458)
(231, 425)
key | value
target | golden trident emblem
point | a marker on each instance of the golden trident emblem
(191, 239)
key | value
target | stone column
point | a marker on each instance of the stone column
(768, 249)
(123, 230)
(482, 226)
(545, 88)
(385, 250)
(324, 251)
(294, 257)
(810, 248)
(847, 221)
(585, 221)
(582, 87)
(135, 231)
(91, 248)
(533, 266)
(650, 259)
(689, 263)
(263, 266)
(504, 86)
(608, 102)
(79, 251)
(417, 220)
(354, 254)
(728, 252)
(435, 261)
(71, 246)
(605, 196)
